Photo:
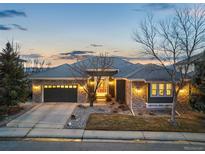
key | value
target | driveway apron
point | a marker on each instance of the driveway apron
(48, 115)
(57, 117)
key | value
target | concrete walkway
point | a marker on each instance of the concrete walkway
(47, 115)
(104, 135)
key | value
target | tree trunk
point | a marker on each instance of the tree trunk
(91, 103)
(173, 118)
(92, 99)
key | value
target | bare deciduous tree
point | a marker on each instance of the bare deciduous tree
(182, 35)
(91, 72)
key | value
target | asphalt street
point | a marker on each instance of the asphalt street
(55, 145)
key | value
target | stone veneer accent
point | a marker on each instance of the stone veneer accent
(139, 91)
(37, 94)
(137, 98)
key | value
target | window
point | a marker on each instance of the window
(168, 89)
(161, 89)
(154, 90)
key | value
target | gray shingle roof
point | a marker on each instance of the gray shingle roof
(65, 71)
(62, 71)
(151, 72)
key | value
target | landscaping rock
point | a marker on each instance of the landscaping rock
(73, 117)
(82, 115)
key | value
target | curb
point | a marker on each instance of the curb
(100, 135)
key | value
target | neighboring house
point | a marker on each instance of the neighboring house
(126, 82)
(32, 70)
(192, 63)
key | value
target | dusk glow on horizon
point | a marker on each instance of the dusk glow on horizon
(60, 32)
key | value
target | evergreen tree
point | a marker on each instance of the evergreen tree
(13, 81)
(198, 102)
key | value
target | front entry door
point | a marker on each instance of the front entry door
(102, 89)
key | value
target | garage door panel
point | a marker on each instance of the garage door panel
(60, 95)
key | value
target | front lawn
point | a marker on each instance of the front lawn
(120, 122)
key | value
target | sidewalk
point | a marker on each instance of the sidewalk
(104, 135)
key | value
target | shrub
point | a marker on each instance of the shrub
(108, 98)
(197, 103)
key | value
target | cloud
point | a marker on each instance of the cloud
(11, 27)
(32, 56)
(12, 13)
(96, 45)
(76, 54)
(115, 51)
(19, 27)
(155, 7)
(136, 58)
(4, 27)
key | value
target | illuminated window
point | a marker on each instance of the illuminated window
(54, 86)
(70, 86)
(161, 89)
(58, 86)
(45, 86)
(154, 90)
(74, 86)
(49, 86)
(66, 86)
(62, 86)
(168, 89)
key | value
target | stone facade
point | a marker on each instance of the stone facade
(139, 91)
(38, 87)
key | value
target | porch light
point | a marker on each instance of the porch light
(111, 82)
(138, 90)
(81, 87)
(181, 90)
(92, 82)
(36, 88)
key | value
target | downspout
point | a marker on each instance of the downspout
(131, 105)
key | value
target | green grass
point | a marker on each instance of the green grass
(126, 122)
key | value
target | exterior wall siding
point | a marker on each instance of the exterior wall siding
(37, 95)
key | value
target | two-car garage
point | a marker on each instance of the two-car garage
(60, 93)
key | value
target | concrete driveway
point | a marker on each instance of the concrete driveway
(47, 115)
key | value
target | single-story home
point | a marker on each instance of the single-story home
(127, 83)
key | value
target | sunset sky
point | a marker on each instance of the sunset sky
(59, 32)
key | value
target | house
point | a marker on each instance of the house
(192, 63)
(125, 82)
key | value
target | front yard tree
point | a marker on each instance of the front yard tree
(167, 41)
(198, 102)
(13, 82)
(91, 71)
